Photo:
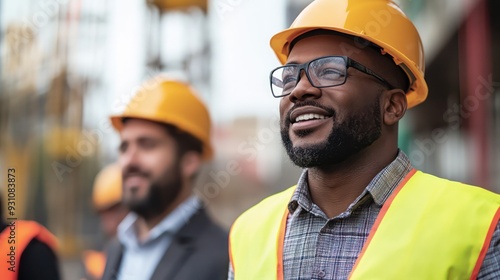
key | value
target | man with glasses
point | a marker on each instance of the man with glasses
(359, 210)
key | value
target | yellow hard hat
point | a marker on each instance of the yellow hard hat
(379, 21)
(107, 189)
(171, 102)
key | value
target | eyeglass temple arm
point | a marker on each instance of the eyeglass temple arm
(363, 68)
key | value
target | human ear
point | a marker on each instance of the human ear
(190, 164)
(394, 106)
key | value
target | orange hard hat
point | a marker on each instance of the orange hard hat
(379, 21)
(170, 102)
(107, 189)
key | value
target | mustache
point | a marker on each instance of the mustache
(134, 170)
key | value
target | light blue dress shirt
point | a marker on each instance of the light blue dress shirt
(140, 260)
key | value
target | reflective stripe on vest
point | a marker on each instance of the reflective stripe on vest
(429, 228)
(14, 239)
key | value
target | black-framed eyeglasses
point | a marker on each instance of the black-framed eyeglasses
(326, 71)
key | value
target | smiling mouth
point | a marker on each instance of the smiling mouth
(310, 116)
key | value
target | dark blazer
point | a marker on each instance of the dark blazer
(199, 251)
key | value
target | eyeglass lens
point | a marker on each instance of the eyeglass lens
(321, 72)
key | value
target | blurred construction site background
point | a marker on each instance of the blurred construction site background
(66, 65)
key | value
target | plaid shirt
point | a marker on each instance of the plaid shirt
(317, 247)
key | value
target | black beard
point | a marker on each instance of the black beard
(346, 139)
(160, 196)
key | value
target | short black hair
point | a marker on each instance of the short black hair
(185, 141)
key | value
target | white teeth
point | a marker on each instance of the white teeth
(306, 117)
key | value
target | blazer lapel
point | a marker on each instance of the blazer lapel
(113, 259)
(182, 246)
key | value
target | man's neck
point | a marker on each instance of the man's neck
(334, 188)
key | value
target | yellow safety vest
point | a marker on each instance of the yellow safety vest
(429, 228)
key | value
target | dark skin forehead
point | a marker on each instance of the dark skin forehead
(357, 49)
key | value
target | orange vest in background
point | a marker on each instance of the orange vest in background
(14, 239)
(94, 262)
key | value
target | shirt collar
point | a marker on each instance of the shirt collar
(384, 183)
(170, 224)
(380, 188)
